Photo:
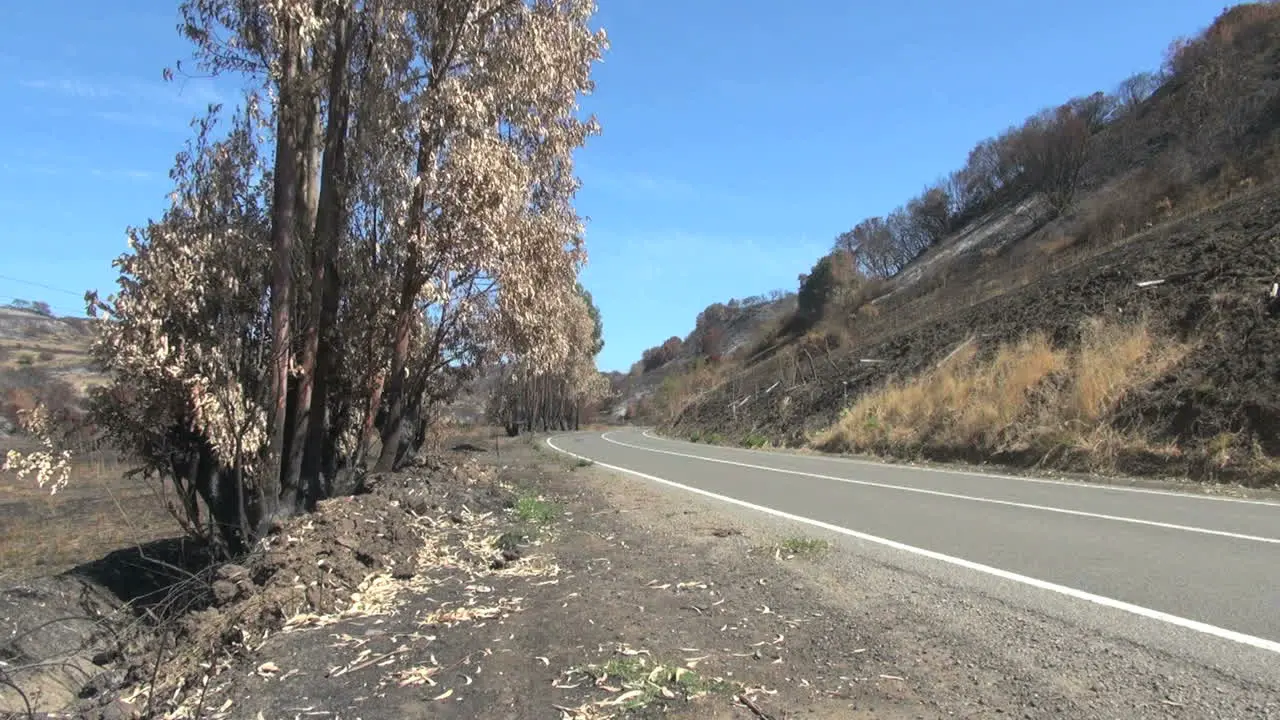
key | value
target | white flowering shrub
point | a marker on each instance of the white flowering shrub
(50, 466)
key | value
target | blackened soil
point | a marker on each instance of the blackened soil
(1217, 267)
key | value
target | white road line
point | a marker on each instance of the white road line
(1195, 625)
(973, 473)
(955, 496)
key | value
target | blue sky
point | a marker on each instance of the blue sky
(740, 136)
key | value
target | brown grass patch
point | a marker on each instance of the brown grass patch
(1028, 395)
(960, 402)
(48, 353)
(1112, 358)
(680, 389)
(98, 512)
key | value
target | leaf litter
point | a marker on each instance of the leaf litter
(356, 558)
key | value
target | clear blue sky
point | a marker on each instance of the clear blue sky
(739, 136)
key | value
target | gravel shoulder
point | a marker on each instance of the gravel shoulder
(931, 645)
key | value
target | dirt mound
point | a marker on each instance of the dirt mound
(1216, 268)
(350, 557)
(345, 559)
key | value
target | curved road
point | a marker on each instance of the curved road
(1191, 575)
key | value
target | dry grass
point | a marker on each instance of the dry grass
(679, 390)
(99, 511)
(1112, 358)
(960, 402)
(1029, 394)
(54, 355)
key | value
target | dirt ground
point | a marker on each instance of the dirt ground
(1217, 268)
(509, 581)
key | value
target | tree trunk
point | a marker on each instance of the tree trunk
(413, 279)
(441, 58)
(317, 361)
(395, 394)
(330, 461)
(270, 489)
(377, 382)
(307, 301)
(422, 426)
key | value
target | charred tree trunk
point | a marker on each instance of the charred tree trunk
(422, 427)
(317, 356)
(302, 316)
(416, 272)
(397, 405)
(411, 285)
(271, 489)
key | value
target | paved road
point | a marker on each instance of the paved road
(1190, 574)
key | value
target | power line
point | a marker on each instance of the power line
(41, 285)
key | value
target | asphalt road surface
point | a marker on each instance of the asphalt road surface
(1192, 575)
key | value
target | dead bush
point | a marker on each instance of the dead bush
(1129, 206)
(825, 338)
(679, 389)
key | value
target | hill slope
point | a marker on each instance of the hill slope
(43, 359)
(722, 331)
(1216, 267)
(1027, 329)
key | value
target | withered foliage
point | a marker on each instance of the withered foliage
(388, 211)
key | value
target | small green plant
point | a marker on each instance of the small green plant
(804, 548)
(26, 359)
(754, 439)
(714, 439)
(695, 436)
(583, 463)
(536, 510)
(641, 682)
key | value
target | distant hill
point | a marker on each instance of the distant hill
(1093, 290)
(43, 359)
(722, 333)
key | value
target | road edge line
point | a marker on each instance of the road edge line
(1081, 484)
(1149, 613)
(954, 496)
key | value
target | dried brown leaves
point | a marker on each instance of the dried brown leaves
(459, 183)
